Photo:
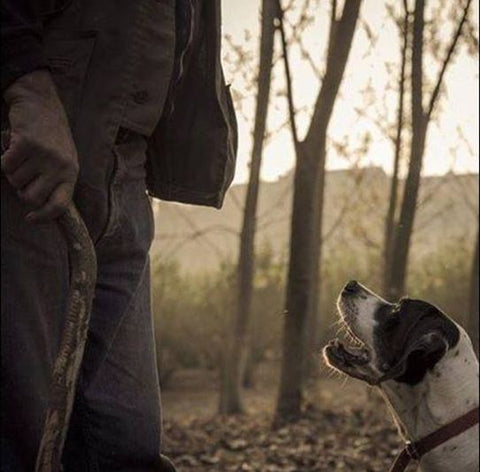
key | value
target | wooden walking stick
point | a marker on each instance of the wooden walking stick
(83, 272)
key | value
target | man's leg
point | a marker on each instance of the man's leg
(34, 282)
(117, 418)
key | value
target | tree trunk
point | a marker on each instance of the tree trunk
(298, 286)
(312, 323)
(307, 207)
(404, 227)
(230, 397)
(392, 206)
(474, 311)
(420, 121)
(249, 373)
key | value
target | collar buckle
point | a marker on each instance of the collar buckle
(412, 451)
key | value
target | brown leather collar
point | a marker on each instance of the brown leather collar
(414, 451)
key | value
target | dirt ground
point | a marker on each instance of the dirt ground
(346, 427)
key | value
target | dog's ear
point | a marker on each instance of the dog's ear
(419, 356)
(422, 338)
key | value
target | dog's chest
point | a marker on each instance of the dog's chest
(447, 392)
(457, 454)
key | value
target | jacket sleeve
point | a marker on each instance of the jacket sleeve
(22, 32)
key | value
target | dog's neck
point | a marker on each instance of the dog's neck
(447, 392)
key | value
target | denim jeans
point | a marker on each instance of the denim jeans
(116, 420)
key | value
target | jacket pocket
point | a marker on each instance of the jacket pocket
(68, 55)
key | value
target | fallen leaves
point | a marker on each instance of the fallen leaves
(352, 439)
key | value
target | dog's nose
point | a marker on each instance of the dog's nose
(351, 287)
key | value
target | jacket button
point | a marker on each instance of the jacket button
(140, 97)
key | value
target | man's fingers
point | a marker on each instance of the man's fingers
(37, 192)
(25, 174)
(56, 204)
(14, 156)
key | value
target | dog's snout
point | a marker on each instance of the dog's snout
(351, 287)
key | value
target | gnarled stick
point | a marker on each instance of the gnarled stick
(83, 272)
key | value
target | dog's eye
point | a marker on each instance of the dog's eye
(396, 309)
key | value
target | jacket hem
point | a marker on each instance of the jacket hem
(173, 193)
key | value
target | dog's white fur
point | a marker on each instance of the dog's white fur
(447, 392)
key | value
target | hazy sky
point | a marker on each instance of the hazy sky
(459, 109)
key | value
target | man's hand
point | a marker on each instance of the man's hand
(41, 159)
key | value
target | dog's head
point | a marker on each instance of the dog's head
(400, 341)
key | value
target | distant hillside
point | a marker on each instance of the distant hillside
(356, 202)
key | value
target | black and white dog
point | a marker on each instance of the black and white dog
(423, 363)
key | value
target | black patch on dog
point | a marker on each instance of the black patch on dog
(411, 337)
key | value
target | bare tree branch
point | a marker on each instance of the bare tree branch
(392, 206)
(287, 191)
(333, 28)
(423, 225)
(345, 208)
(291, 107)
(200, 232)
(297, 36)
(446, 61)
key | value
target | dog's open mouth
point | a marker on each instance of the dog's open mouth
(344, 357)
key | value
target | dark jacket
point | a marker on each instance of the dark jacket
(112, 61)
